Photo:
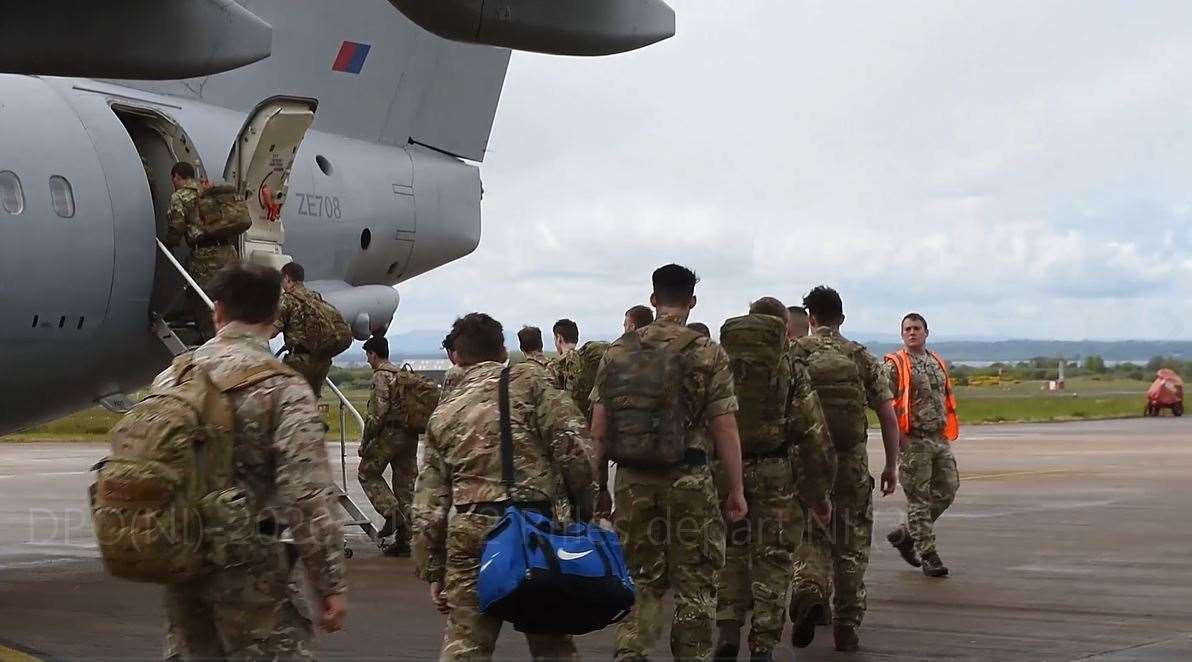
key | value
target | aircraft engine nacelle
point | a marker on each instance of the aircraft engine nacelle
(559, 27)
(132, 39)
(367, 308)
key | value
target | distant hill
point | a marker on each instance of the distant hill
(425, 343)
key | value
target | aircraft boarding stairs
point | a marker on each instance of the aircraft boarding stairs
(356, 517)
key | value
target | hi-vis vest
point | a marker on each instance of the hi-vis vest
(902, 403)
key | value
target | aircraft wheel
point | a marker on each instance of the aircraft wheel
(1177, 409)
(348, 552)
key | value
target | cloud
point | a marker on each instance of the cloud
(1006, 168)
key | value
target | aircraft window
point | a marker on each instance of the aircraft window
(324, 164)
(12, 198)
(365, 239)
(62, 197)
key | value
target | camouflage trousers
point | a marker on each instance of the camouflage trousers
(395, 449)
(471, 635)
(760, 553)
(929, 479)
(313, 369)
(673, 535)
(251, 612)
(204, 264)
(834, 561)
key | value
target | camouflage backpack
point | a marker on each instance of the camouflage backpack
(649, 414)
(583, 377)
(223, 214)
(413, 399)
(757, 352)
(163, 505)
(832, 365)
(324, 331)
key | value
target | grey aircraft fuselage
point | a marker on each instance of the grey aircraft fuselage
(365, 127)
(76, 288)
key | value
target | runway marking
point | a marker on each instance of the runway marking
(1015, 474)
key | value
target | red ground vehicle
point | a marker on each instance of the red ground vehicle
(1166, 392)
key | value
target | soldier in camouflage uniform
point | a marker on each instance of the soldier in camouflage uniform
(296, 307)
(386, 445)
(848, 379)
(462, 468)
(207, 255)
(530, 341)
(761, 552)
(927, 418)
(670, 519)
(564, 365)
(257, 611)
(529, 338)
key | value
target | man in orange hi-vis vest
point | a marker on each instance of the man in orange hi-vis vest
(926, 409)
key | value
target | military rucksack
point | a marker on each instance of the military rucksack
(649, 412)
(413, 399)
(223, 214)
(757, 351)
(583, 378)
(324, 332)
(164, 507)
(837, 379)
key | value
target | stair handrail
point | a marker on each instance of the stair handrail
(347, 404)
(343, 399)
(185, 274)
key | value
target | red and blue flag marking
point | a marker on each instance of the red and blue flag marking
(351, 57)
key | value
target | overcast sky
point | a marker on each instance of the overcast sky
(1009, 169)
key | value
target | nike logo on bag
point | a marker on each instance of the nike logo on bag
(572, 556)
(489, 562)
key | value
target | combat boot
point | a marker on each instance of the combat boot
(767, 656)
(391, 524)
(846, 638)
(806, 611)
(902, 541)
(400, 548)
(933, 566)
(729, 643)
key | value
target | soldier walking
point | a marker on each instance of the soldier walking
(255, 611)
(668, 512)
(926, 409)
(848, 379)
(207, 254)
(314, 331)
(782, 434)
(386, 444)
(460, 469)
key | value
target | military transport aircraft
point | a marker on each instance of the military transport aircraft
(352, 129)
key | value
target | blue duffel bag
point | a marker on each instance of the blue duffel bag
(546, 577)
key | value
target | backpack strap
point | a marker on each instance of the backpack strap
(506, 433)
(249, 377)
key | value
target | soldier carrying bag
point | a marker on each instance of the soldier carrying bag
(581, 383)
(547, 577)
(413, 399)
(164, 507)
(223, 214)
(644, 394)
(325, 333)
(837, 380)
(757, 351)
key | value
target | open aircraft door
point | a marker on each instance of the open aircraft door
(259, 166)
